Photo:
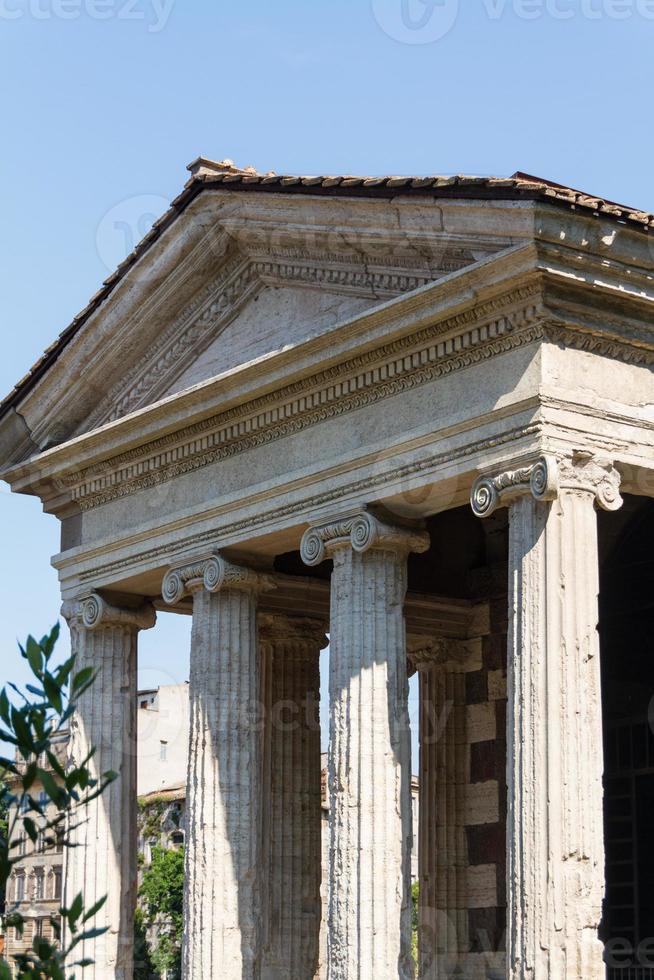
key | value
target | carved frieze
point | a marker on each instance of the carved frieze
(468, 338)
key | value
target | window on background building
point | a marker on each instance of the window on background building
(177, 838)
(38, 928)
(24, 804)
(20, 888)
(56, 889)
(163, 751)
(59, 841)
(44, 799)
(39, 885)
(21, 846)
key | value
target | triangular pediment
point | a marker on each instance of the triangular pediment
(236, 278)
(255, 307)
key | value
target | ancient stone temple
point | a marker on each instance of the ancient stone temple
(413, 415)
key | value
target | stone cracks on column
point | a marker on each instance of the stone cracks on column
(369, 764)
(223, 899)
(554, 729)
(103, 862)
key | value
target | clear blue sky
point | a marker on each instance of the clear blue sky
(103, 102)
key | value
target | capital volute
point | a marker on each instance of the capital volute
(362, 532)
(213, 573)
(545, 478)
(94, 612)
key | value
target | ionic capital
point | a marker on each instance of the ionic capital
(274, 628)
(213, 573)
(361, 532)
(93, 612)
(545, 478)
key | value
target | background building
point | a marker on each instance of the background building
(35, 886)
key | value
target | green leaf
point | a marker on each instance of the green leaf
(4, 706)
(93, 933)
(81, 679)
(53, 692)
(75, 910)
(48, 642)
(30, 776)
(34, 656)
(94, 909)
(50, 785)
(30, 828)
(23, 734)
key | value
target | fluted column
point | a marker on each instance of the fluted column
(222, 905)
(103, 861)
(554, 726)
(292, 829)
(370, 749)
(442, 851)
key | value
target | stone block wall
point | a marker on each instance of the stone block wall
(463, 808)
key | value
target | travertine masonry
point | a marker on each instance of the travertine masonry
(290, 651)
(369, 762)
(224, 797)
(555, 834)
(103, 860)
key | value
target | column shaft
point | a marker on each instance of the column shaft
(443, 924)
(292, 832)
(555, 833)
(103, 860)
(369, 769)
(555, 844)
(223, 853)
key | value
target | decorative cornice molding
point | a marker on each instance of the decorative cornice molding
(216, 305)
(94, 612)
(545, 478)
(212, 307)
(617, 349)
(362, 532)
(213, 573)
(362, 380)
(119, 569)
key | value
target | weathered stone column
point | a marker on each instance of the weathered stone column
(554, 824)
(103, 862)
(442, 851)
(370, 750)
(292, 826)
(222, 907)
